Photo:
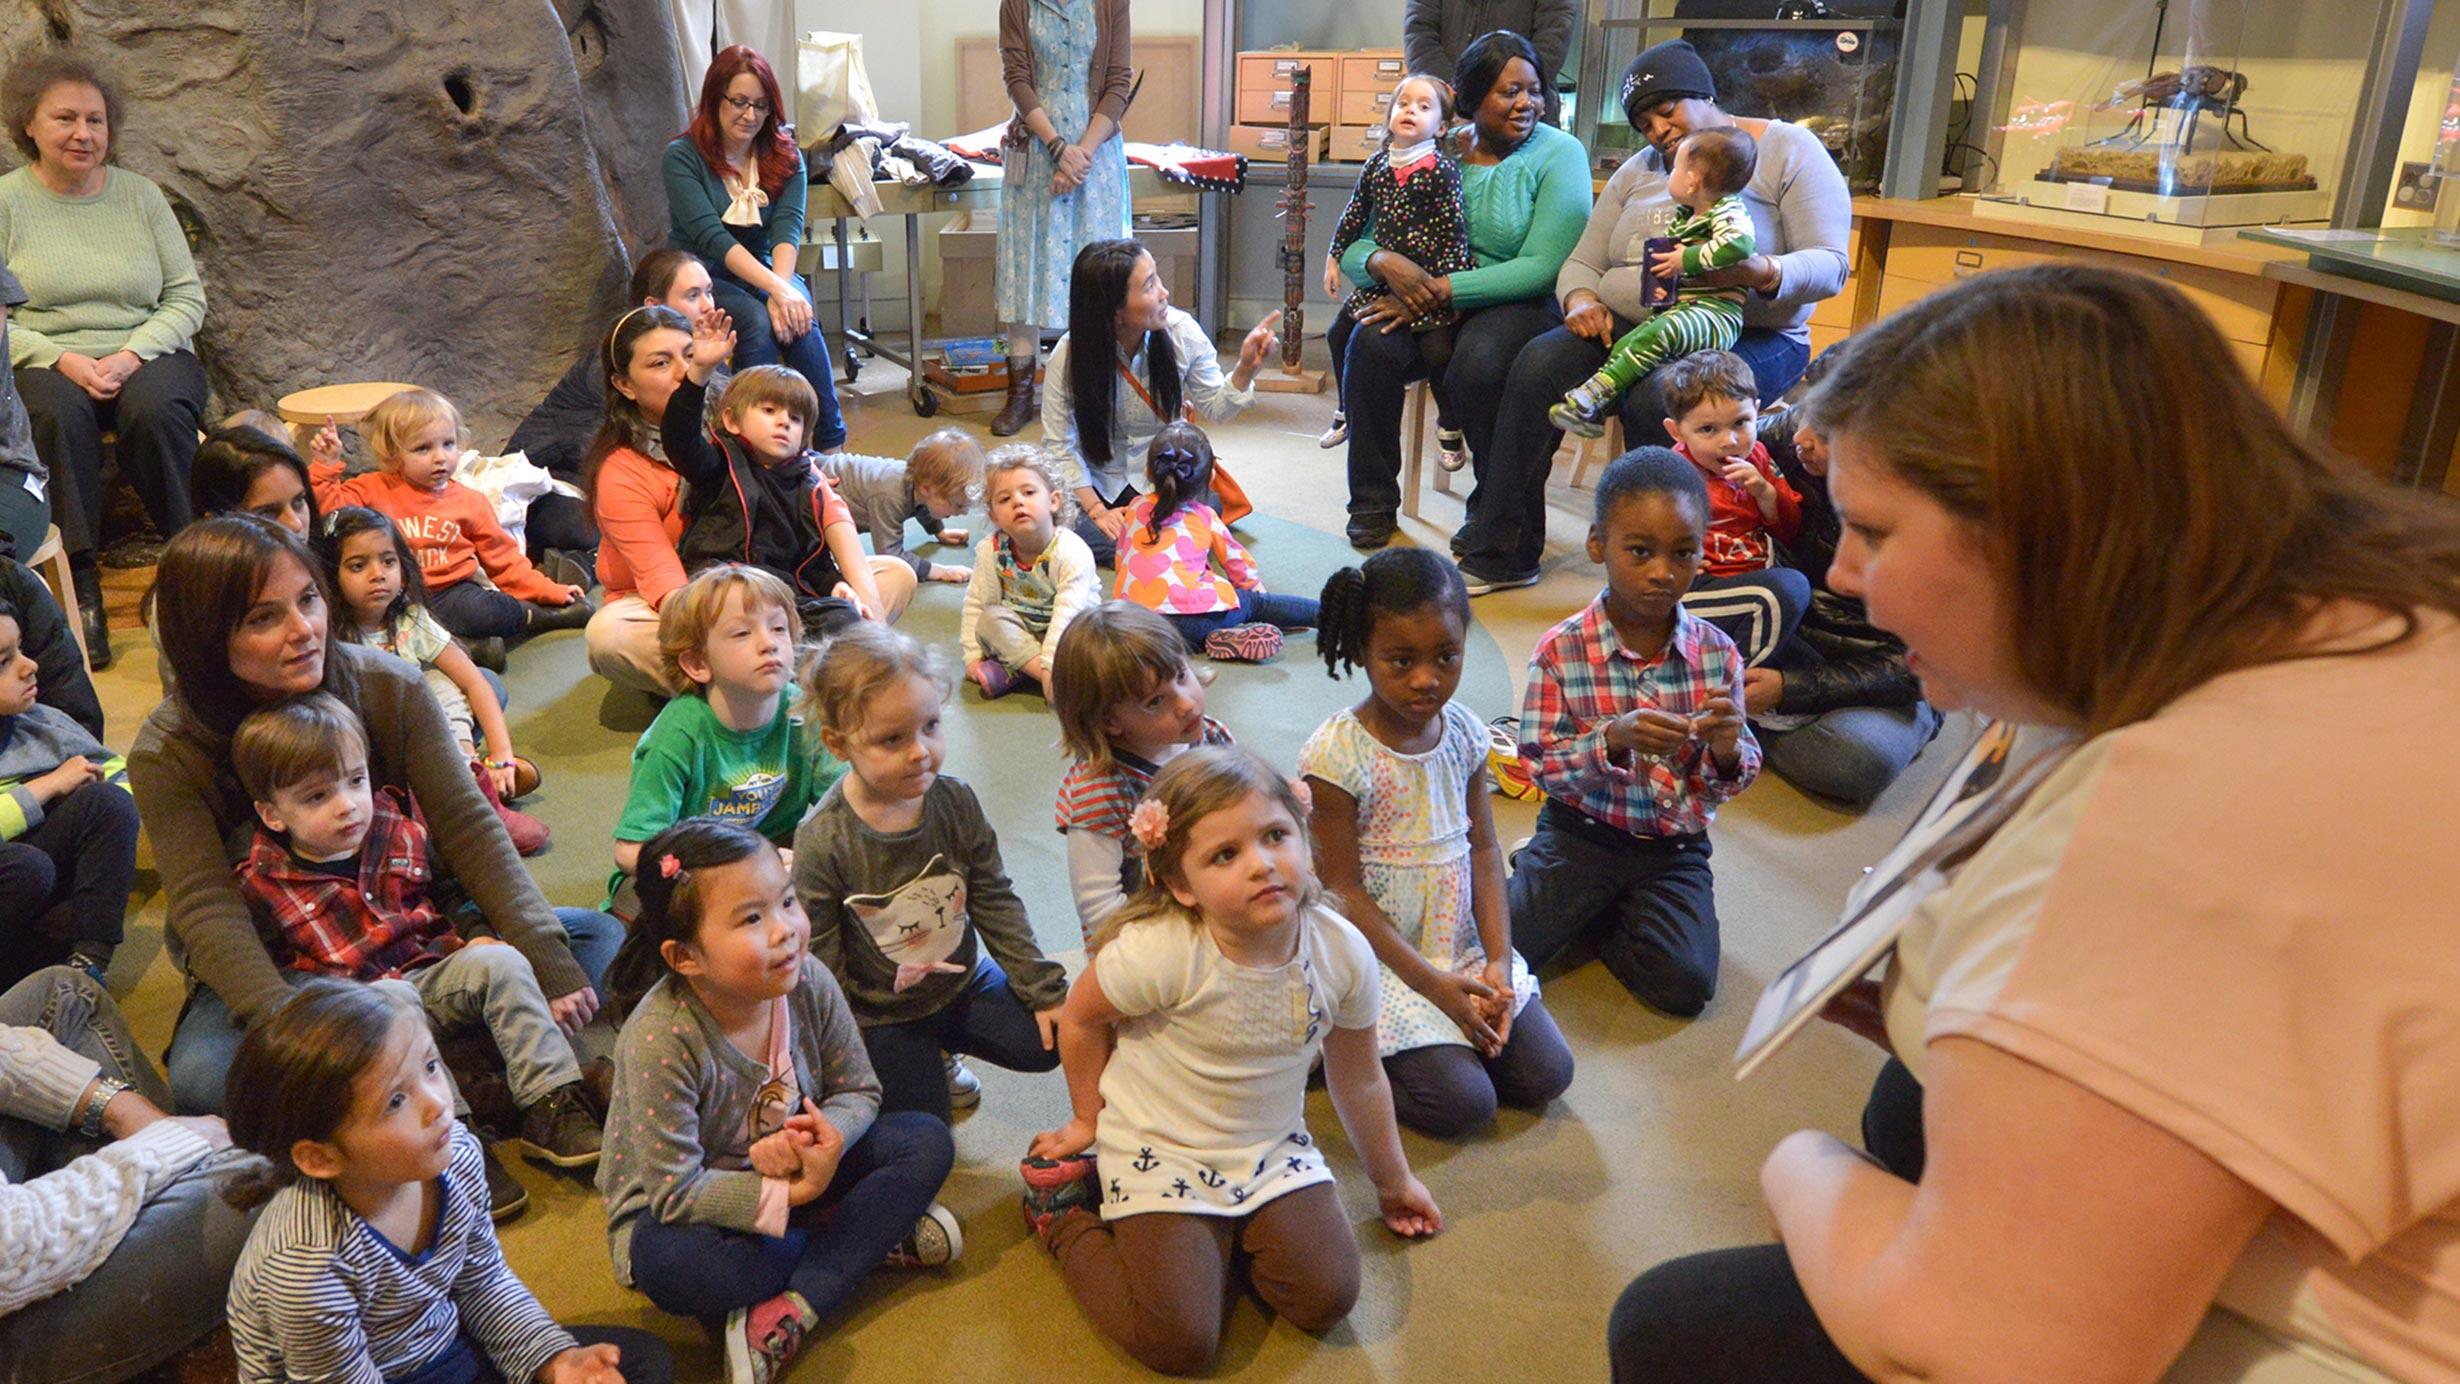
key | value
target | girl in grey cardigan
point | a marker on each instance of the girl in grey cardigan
(748, 1172)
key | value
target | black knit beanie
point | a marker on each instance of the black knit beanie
(1671, 69)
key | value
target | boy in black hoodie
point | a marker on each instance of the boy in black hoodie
(756, 498)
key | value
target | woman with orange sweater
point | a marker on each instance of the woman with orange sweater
(416, 438)
(635, 498)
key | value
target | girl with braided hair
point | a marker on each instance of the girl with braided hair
(1406, 844)
(1167, 556)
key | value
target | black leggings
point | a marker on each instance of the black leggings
(1738, 1316)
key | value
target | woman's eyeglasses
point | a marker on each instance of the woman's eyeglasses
(741, 106)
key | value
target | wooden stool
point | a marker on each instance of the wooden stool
(343, 403)
(1587, 456)
(52, 561)
(1415, 402)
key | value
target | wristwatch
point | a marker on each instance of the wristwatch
(106, 1089)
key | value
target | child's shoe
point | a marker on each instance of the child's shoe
(996, 679)
(1583, 411)
(1451, 449)
(560, 1129)
(1056, 1186)
(1335, 435)
(529, 835)
(935, 1241)
(964, 1088)
(506, 1197)
(1255, 643)
(763, 1339)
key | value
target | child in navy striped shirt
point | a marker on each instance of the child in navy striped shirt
(375, 1261)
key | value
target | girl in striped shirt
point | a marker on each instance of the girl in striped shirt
(375, 1261)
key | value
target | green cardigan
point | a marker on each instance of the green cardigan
(696, 208)
(102, 274)
(1525, 215)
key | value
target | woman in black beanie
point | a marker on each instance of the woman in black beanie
(1800, 211)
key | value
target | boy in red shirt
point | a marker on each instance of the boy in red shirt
(415, 436)
(1712, 414)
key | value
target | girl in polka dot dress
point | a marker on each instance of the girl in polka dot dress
(1406, 843)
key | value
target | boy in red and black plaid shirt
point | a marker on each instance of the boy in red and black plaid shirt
(338, 878)
(1633, 726)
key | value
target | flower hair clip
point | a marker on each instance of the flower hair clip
(669, 866)
(1304, 794)
(1149, 823)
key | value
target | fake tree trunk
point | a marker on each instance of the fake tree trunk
(445, 192)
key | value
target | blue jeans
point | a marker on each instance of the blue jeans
(1506, 531)
(1851, 754)
(986, 1019)
(1268, 607)
(884, 1183)
(807, 355)
(207, 1038)
(165, 1282)
(642, 1359)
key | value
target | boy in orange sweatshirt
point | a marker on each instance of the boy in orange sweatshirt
(415, 436)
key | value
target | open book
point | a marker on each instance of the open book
(1977, 799)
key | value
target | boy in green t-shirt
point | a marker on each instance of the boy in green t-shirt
(730, 747)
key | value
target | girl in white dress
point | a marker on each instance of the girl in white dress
(1406, 843)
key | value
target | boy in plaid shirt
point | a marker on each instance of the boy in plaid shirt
(338, 878)
(1633, 726)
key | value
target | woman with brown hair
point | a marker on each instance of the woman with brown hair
(2178, 1046)
(246, 618)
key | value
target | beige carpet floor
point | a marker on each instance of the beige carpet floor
(1654, 1152)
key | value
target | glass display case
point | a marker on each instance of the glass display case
(2190, 113)
(1828, 67)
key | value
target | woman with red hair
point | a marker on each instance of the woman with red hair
(735, 184)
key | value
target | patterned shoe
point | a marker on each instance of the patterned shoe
(764, 1338)
(1583, 411)
(964, 1088)
(1503, 763)
(1452, 449)
(1255, 643)
(1054, 1186)
(936, 1240)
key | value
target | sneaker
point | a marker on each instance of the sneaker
(996, 679)
(1503, 763)
(560, 1129)
(1582, 413)
(964, 1088)
(1452, 449)
(763, 1339)
(506, 1197)
(566, 568)
(1486, 584)
(1055, 1186)
(93, 958)
(935, 1241)
(1251, 643)
(1335, 435)
(1371, 531)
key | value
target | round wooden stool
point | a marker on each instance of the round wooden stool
(343, 403)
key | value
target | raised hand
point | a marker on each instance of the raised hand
(713, 344)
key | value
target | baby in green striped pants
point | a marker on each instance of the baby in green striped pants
(1711, 230)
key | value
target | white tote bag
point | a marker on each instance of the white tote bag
(832, 88)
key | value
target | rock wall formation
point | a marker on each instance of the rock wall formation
(446, 192)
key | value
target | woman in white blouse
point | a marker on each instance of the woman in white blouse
(133, 1222)
(1099, 414)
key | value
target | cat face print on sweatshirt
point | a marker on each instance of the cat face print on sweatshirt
(919, 924)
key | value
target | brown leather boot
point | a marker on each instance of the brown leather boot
(1024, 404)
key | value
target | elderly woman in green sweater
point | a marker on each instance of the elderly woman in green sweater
(105, 338)
(1526, 188)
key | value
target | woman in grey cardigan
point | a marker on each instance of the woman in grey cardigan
(245, 619)
(1800, 211)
